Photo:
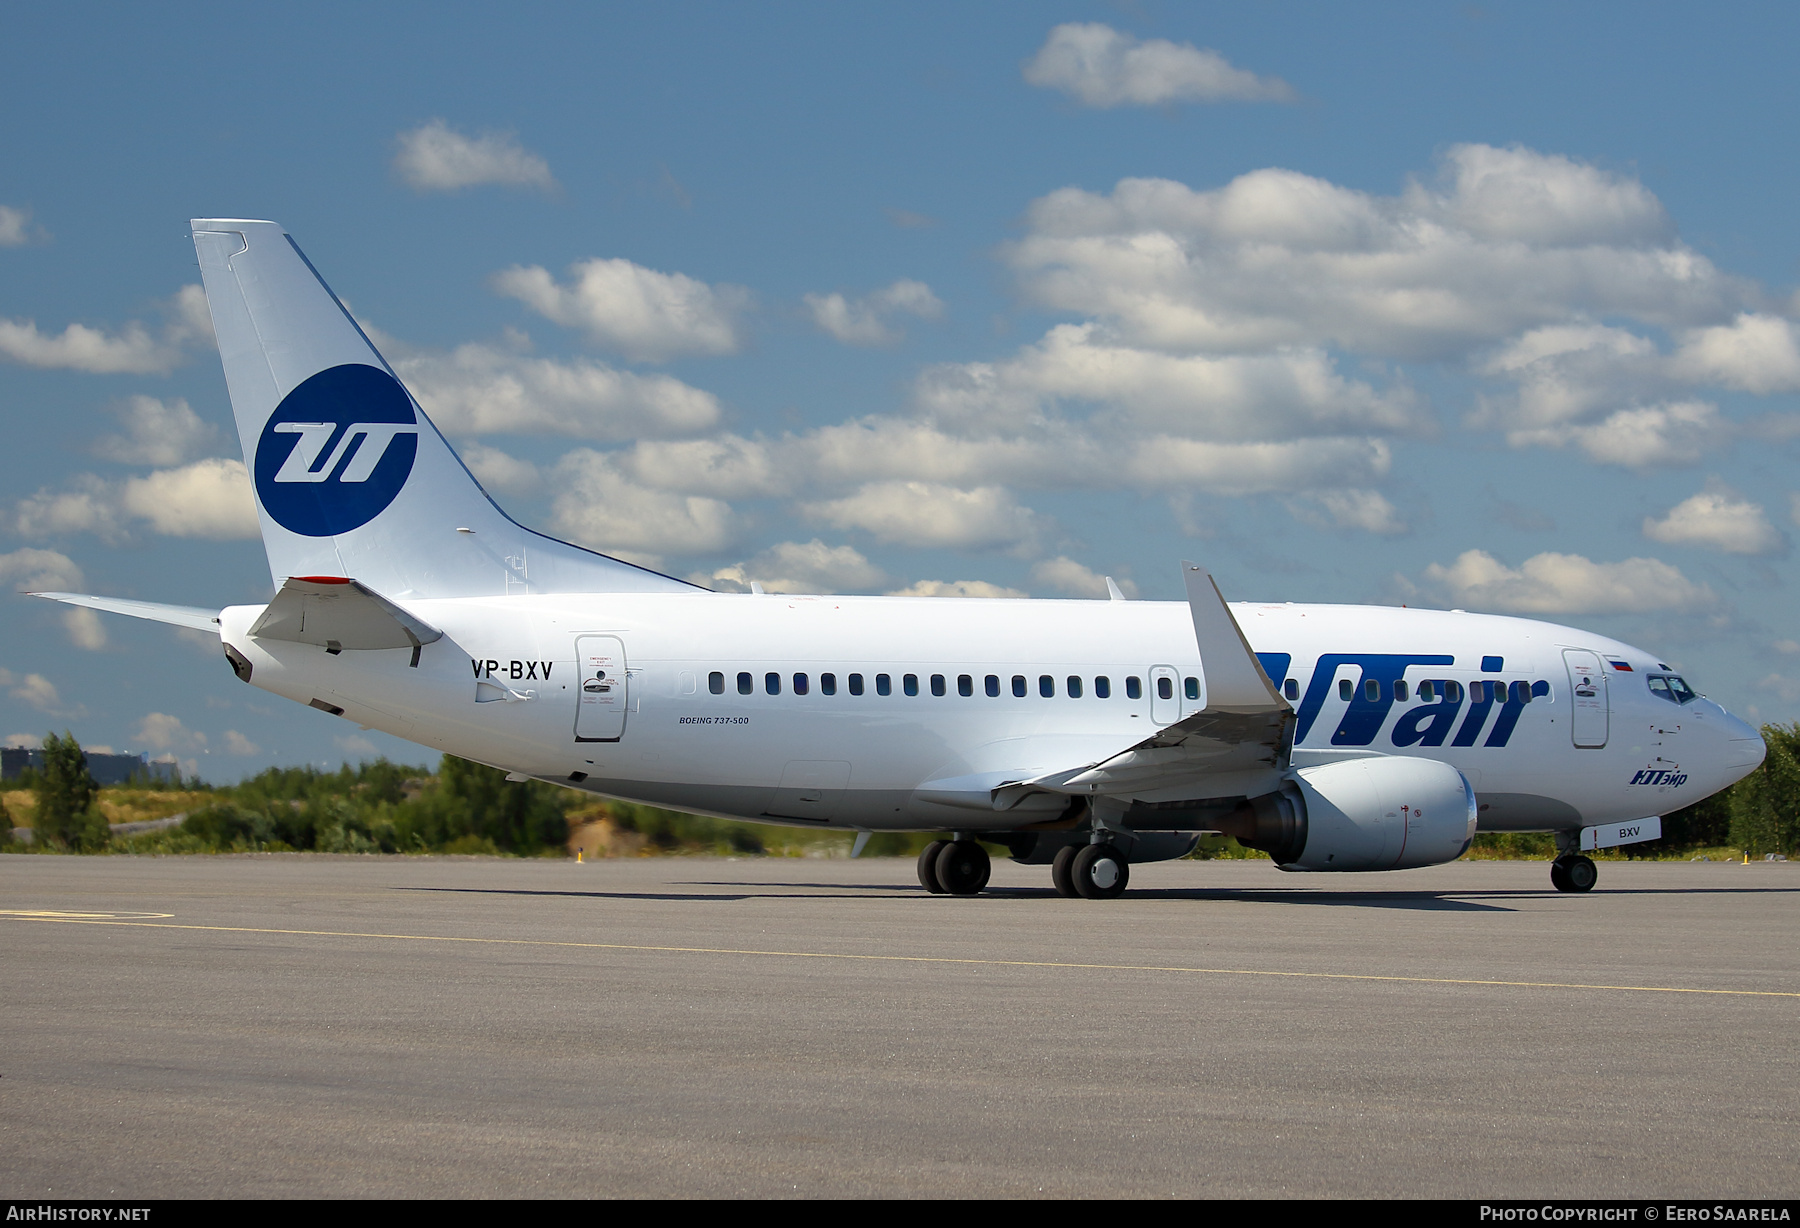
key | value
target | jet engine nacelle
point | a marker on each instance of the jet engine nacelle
(1386, 813)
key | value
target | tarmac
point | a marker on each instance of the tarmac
(311, 1026)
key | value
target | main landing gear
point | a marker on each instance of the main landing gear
(1090, 871)
(1573, 872)
(954, 867)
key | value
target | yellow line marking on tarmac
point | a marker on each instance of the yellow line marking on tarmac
(51, 914)
(95, 919)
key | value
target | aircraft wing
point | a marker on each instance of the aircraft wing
(198, 618)
(1236, 746)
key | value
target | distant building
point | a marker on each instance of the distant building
(106, 769)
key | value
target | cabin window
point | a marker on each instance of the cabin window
(1046, 686)
(1400, 690)
(772, 683)
(856, 685)
(1372, 689)
(1453, 692)
(1346, 689)
(828, 684)
(1291, 688)
(800, 684)
(746, 684)
(1134, 687)
(965, 685)
(1165, 688)
(715, 682)
(993, 685)
(1019, 686)
(910, 684)
(1478, 692)
(1190, 687)
(884, 685)
(937, 685)
(1521, 692)
(1103, 687)
(1074, 687)
(1427, 692)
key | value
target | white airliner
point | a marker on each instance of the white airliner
(1085, 735)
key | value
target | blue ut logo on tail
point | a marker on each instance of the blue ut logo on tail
(336, 451)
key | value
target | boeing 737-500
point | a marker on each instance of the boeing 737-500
(1082, 735)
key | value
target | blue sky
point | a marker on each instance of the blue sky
(1485, 307)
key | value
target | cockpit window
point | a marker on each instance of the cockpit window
(1670, 687)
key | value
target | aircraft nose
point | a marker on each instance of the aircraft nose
(1744, 749)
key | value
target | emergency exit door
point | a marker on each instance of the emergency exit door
(604, 688)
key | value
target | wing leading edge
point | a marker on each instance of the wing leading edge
(197, 617)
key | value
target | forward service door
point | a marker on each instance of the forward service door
(604, 692)
(1590, 711)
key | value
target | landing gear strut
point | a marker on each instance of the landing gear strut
(1573, 872)
(954, 867)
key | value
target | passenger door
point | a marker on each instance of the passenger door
(1589, 709)
(604, 686)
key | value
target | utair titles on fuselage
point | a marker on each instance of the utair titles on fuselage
(1082, 735)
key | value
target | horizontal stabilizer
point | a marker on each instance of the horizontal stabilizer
(339, 614)
(194, 616)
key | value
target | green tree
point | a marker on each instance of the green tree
(66, 791)
(518, 816)
(1765, 805)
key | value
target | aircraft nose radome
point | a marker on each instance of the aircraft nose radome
(1744, 754)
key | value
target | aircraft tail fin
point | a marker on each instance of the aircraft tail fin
(351, 477)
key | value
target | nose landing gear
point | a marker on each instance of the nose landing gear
(1573, 872)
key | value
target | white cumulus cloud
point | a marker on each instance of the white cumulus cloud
(479, 389)
(1720, 519)
(1069, 576)
(157, 433)
(1102, 67)
(931, 515)
(800, 567)
(864, 321)
(16, 229)
(956, 588)
(1503, 240)
(598, 506)
(165, 732)
(1553, 583)
(36, 690)
(641, 313)
(208, 499)
(237, 744)
(436, 158)
(1366, 511)
(131, 350)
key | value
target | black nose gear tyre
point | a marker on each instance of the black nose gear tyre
(1582, 874)
(1100, 872)
(928, 858)
(1559, 874)
(963, 867)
